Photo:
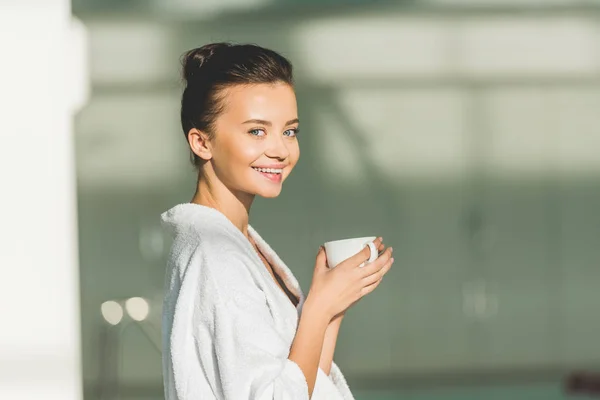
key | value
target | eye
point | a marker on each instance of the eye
(291, 132)
(257, 132)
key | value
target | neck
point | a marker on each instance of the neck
(234, 205)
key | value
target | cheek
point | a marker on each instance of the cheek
(294, 154)
(248, 153)
(243, 152)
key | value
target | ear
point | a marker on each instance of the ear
(200, 143)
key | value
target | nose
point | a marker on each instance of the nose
(277, 148)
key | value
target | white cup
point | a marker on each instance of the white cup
(340, 250)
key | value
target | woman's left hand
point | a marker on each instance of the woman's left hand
(338, 318)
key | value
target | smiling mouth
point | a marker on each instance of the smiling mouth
(272, 174)
(269, 170)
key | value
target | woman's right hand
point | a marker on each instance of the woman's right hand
(333, 290)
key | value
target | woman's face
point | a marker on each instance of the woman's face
(255, 147)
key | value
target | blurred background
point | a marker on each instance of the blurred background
(465, 132)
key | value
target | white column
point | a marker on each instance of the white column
(39, 294)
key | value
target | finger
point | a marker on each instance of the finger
(376, 265)
(388, 266)
(321, 252)
(368, 289)
(378, 242)
(356, 259)
(321, 259)
(369, 280)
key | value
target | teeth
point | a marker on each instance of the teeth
(269, 170)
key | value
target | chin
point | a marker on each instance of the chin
(269, 194)
(263, 188)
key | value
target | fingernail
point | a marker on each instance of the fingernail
(392, 260)
(391, 249)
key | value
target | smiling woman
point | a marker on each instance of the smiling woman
(256, 128)
(236, 324)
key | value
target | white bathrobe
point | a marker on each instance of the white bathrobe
(227, 325)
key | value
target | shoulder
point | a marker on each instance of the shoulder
(202, 228)
(206, 242)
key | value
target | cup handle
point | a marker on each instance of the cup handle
(374, 252)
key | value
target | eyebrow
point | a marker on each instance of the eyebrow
(268, 123)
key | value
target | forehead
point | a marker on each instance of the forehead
(271, 102)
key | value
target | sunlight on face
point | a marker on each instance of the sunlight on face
(255, 145)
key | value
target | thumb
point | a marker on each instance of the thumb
(321, 261)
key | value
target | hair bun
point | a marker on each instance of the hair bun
(194, 59)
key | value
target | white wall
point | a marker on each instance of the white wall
(39, 296)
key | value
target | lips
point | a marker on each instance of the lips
(271, 169)
(272, 174)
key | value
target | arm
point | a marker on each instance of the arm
(330, 340)
(242, 353)
(309, 342)
(327, 366)
(331, 336)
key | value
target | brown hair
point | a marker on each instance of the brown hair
(209, 69)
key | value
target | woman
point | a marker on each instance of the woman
(235, 323)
